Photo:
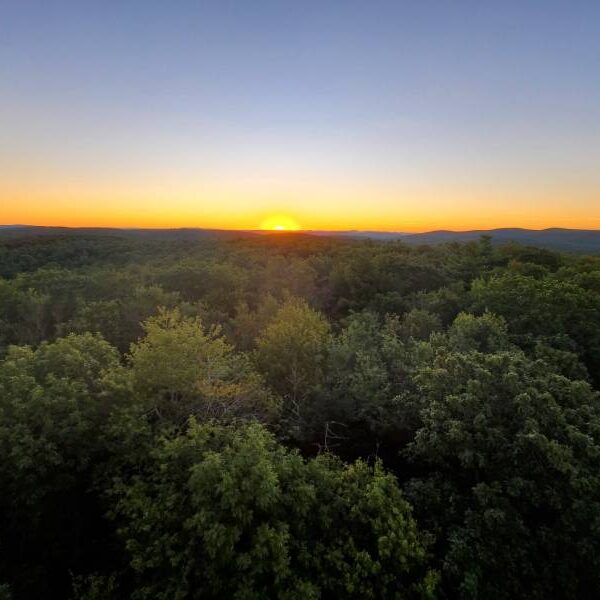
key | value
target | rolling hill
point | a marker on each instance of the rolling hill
(572, 240)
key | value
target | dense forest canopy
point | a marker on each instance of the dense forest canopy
(295, 417)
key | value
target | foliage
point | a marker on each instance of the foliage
(292, 354)
(558, 312)
(181, 370)
(509, 457)
(221, 417)
(52, 407)
(228, 512)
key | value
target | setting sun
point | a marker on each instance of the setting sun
(279, 223)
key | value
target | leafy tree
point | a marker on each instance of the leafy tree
(179, 369)
(52, 407)
(61, 288)
(288, 276)
(119, 319)
(95, 587)
(470, 371)
(219, 284)
(487, 333)
(551, 310)
(526, 256)
(446, 302)
(419, 324)
(292, 354)
(358, 387)
(248, 324)
(508, 454)
(21, 316)
(228, 512)
(381, 278)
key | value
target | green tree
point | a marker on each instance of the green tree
(419, 324)
(557, 312)
(179, 369)
(292, 354)
(487, 333)
(248, 323)
(358, 388)
(53, 407)
(226, 512)
(119, 319)
(508, 455)
(21, 316)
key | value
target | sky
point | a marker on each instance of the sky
(377, 115)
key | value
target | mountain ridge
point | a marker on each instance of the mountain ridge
(559, 238)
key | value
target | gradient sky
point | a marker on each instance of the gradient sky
(407, 115)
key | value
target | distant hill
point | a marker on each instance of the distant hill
(16, 231)
(575, 240)
(572, 240)
(374, 235)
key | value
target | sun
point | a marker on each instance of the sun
(279, 223)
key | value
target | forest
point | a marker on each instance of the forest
(297, 417)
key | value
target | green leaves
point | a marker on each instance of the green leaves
(466, 370)
(51, 404)
(557, 312)
(226, 511)
(53, 410)
(292, 355)
(179, 369)
(508, 446)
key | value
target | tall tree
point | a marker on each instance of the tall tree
(227, 512)
(292, 354)
(507, 452)
(180, 369)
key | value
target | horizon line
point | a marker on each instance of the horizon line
(288, 231)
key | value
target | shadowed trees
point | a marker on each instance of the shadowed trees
(295, 417)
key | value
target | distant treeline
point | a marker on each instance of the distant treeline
(567, 240)
(295, 417)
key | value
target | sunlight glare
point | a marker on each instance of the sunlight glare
(279, 223)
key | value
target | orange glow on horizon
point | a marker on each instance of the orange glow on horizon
(359, 129)
(294, 206)
(279, 223)
(370, 222)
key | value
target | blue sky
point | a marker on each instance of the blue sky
(396, 115)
